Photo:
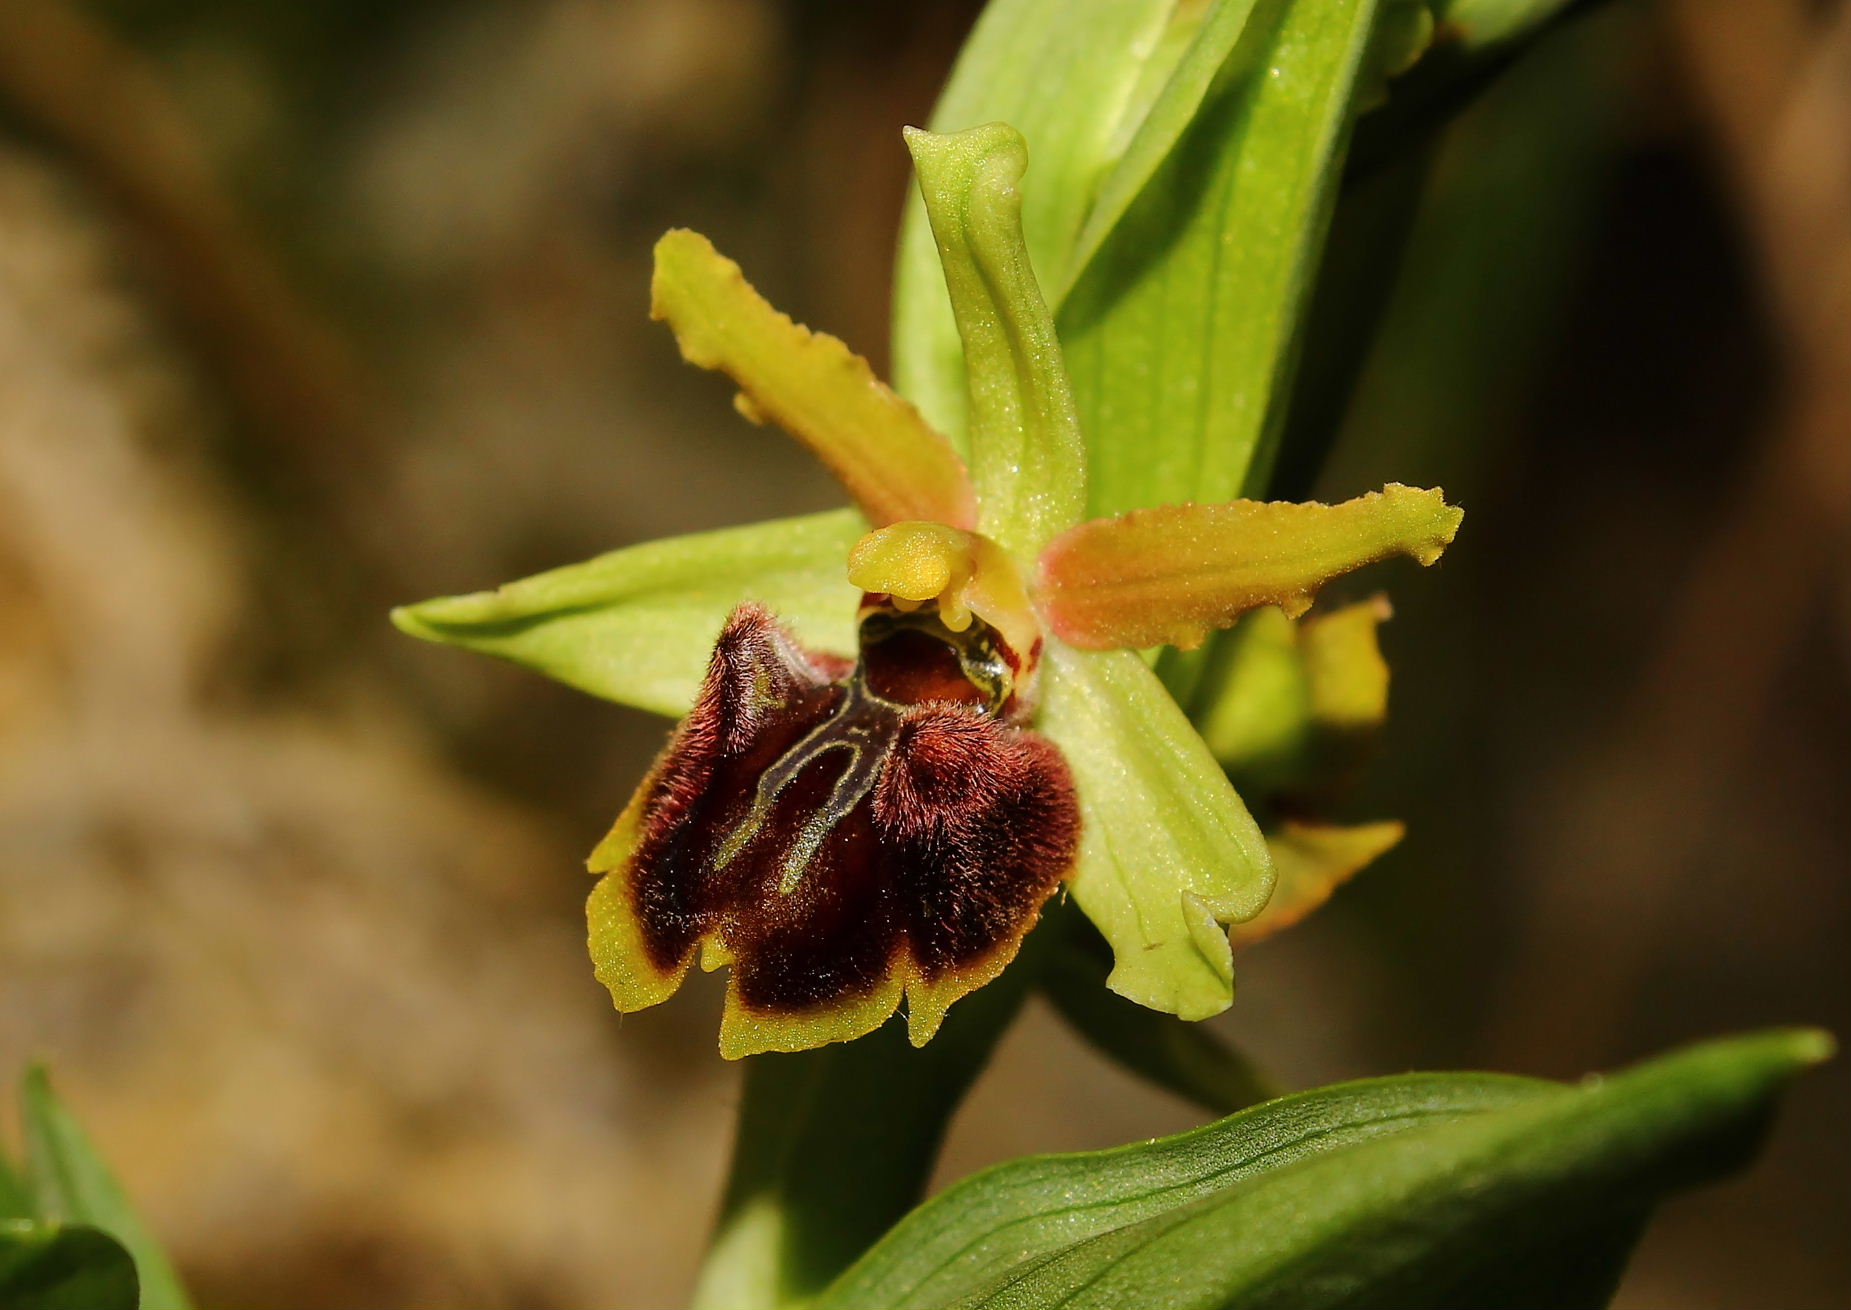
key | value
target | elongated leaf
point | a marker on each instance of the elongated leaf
(1157, 132)
(1027, 458)
(1168, 853)
(1408, 1219)
(894, 466)
(637, 625)
(1181, 331)
(1012, 1217)
(72, 1185)
(58, 1267)
(1074, 77)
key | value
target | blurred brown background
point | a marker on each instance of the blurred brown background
(310, 309)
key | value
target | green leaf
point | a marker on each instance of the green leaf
(54, 1267)
(1074, 77)
(1412, 1219)
(1158, 131)
(1181, 1057)
(1168, 853)
(1027, 458)
(74, 1186)
(1181, 331)
(637, 625)
(1006, 1221)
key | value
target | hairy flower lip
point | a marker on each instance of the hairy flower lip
(838, 849)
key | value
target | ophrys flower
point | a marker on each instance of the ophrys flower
(852, 816)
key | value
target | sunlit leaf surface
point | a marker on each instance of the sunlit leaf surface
(1424, 1191)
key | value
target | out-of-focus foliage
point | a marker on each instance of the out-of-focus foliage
(69, 1238)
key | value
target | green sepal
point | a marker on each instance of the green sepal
(1027, 457)
(637, 625)
(1168, 852)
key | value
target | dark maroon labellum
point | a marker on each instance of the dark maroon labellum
(841, 835)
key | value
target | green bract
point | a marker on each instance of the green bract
(1169, 854)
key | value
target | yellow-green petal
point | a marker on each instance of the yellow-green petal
(894, 465)
(1169, 575)
(1296, 706)
(1313, 860)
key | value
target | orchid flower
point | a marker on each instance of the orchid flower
(920, 718)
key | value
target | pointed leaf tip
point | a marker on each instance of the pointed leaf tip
(1169, 575)
(810, 384)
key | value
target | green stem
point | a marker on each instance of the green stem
(835, 1145)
